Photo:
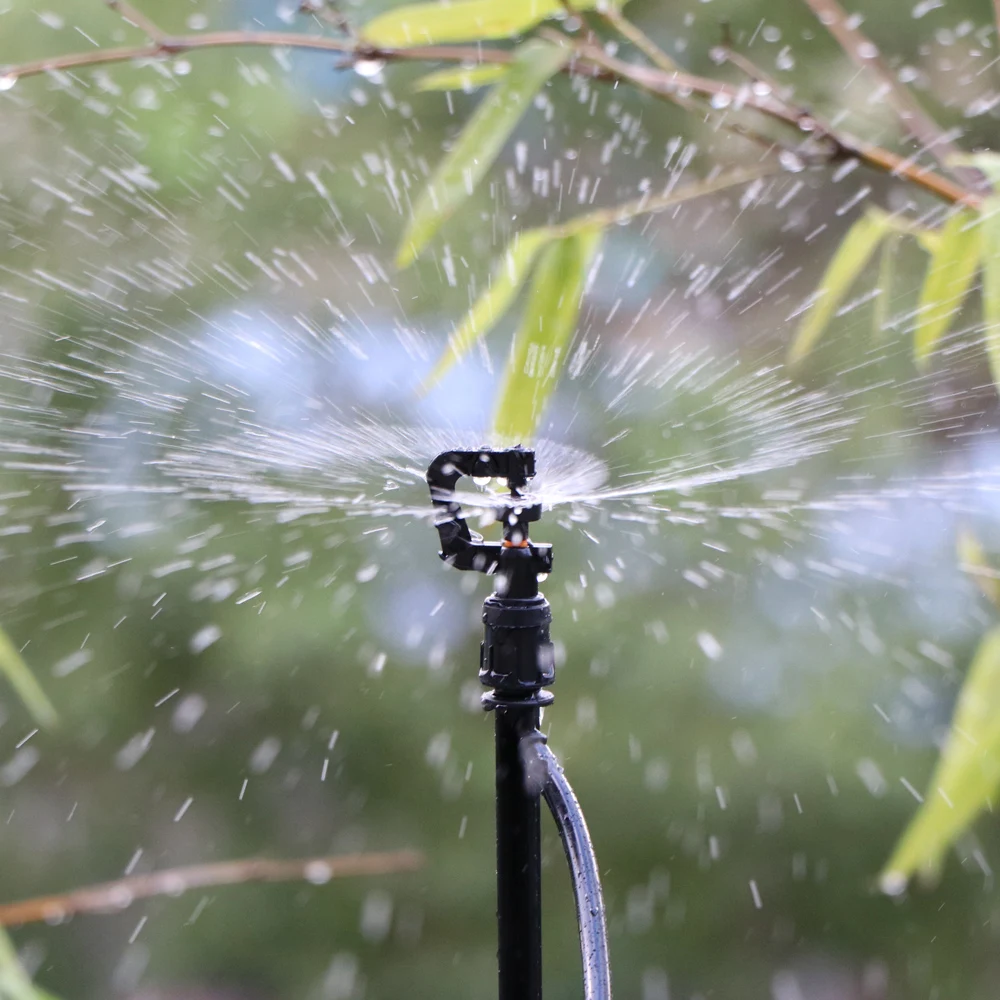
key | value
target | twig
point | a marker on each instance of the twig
(330, 13)
(729, 54)
(108, 897)
(594, 63)
(650, 205)
(842, 145)
(864, 53)
(137, 19)
(612, 15)
(177, 44)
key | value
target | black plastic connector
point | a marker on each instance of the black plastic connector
(466, 550)
(517, 655)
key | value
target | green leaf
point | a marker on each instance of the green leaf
(848, 262)
(540, 346)
(22, 680)
(886, 270)
(15, 983)
(490, 307)
(967, 775)
(480, 143)
(950, 271)
(466, 21)
(990, 227)
(462, 78)
(972, 559)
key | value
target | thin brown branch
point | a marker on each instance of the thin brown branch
(864, 54)
(650, 205)
(674, 86)
(109, 897)
(177, 44)
(842, 146)
(725, 53)
(330, 13)
(611, 14)
(137, 19)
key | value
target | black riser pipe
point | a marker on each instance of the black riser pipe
(519, 860)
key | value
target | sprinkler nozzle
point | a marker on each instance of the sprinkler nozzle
(465, 549)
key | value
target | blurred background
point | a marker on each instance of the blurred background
(196, 262)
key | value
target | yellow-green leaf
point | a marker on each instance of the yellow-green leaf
(490, 307)
(462, 78)
(967, 775)
(848, 262)
(15, 983)
(465, 21)
(480, 142)
(22, 680)
(540, 345)
(950, 271)
(990, 226)
(886, 269)
(972, 559)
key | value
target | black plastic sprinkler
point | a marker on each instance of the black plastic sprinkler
(516, 664)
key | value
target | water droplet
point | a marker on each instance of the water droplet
(146, 98)
(7, 81)
(182, 67)
(893, 883)
(785, 60)
(204, 638)
(710, 646)
(318, 872)
(721, 100)
(791, 162)
(369, 68)
(481, 480)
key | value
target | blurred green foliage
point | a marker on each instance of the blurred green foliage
(736, 705)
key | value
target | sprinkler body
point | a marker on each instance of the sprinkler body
(516, 665)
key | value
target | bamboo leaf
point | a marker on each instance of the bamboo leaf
(972, 559)
(480, 142)
(950, 271)
(990, 227)
(929, 240)
(540, 346)
(967, 775)
(490, 307)
(886, 270)
(465, 78)
(23, 681)
(465, 21)
(15, 983)
(848, 262)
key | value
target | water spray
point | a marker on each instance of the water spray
(517, 663)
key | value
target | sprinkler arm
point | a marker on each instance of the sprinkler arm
(463, 548)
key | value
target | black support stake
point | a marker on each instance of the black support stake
(519, 861)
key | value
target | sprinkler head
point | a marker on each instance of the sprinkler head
(464, 549)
